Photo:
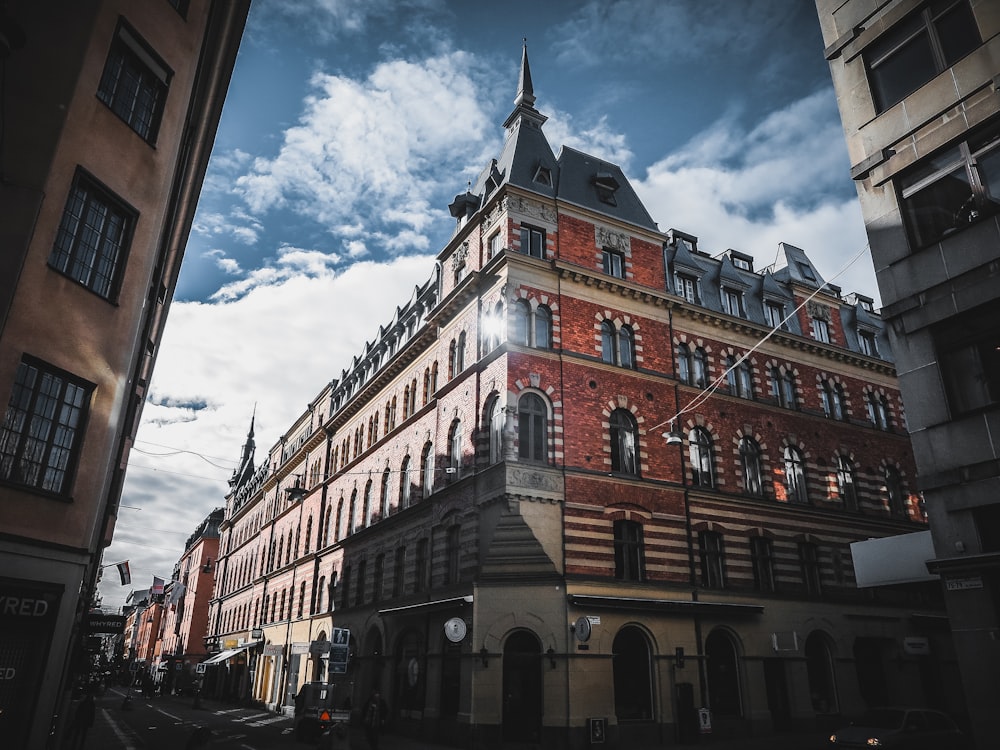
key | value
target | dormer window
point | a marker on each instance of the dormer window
(732, 302)
(868, 343)
(606, 185)
(821, 330)
(807, 271)
(687, 287)
(543, 176)
(774, 314)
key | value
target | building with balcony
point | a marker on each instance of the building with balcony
(109, 114)
(917, 84)
(589, 480)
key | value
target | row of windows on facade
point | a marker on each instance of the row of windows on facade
(734, 303)
(629, 565)
(532, 433)
(38, 444)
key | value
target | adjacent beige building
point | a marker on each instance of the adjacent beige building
(917, 83)
(109, 114)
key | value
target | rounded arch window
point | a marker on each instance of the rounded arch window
(633, 675)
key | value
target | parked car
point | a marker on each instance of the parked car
(901, 729)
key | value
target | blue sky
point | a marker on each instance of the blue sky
(351, 125)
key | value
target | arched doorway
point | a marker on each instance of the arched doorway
(633, 675)
(522, 688)
(408, 676)
(723, 672)
(374, 651)
(819, 666)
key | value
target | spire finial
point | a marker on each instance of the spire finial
(525, 91)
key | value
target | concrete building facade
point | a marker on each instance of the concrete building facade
(917, 84)
(590, 482)
(109, 113)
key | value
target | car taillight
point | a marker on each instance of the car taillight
(324, 716)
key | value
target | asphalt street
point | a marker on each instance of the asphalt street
(171, 723)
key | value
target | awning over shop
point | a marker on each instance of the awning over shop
(455, 601)
(228, 654)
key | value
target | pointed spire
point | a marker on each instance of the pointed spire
(245, 470)
(525, 91)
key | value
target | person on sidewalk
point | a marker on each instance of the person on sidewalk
(373, 718)
(83, 720)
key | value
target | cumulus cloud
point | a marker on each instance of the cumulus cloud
(750, 189)
(272, 349)
(377, 146)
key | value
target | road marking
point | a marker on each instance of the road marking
(175, 718)
(265, 722)
(227, 711)
(124, 738)
(253, 716)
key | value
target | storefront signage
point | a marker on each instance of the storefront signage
(340, 651)
(28, 613)
(101, 623)
(272, 649)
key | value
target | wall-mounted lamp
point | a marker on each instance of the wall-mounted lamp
(484, 656)
(552, 657)
(207, 567)
(673, 437)
(296, 492)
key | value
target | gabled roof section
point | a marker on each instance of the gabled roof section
(588, 181)
(730, 276)
(792, 264)
(684, 259)
(771, 289)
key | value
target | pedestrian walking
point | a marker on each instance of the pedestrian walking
(83, 720)
(373, 718)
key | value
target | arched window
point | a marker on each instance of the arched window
(404, 482)
(819, 667)
(624, 435)
(532, 428)
(383, 510)
(745, 379)
(795, 476)
(427, 462)
(452, 349)
(520, 314)
(702, 458)
(626, 347)
(368, 504)
(320, 590)
(832, 396)
(752, 472)
(723, 672)
(309, 531)
(497, 417)
(543, 327)
(427, 385)
(608, 342)
(455, 448)
(352, 513)
(406, 402)
(732, 382)
(878, 411)
(783, 387)
(894, 496)
(391, 415)
(434, 378)
(633, 676)
(340, 518)
(460, 353)
(683, 356)
(700, 373)
(413, 397)
(846, 486)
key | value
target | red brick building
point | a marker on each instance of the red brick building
(589, 472)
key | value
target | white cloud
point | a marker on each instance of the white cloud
(750, 190)
(274, 348)
(599, 140)
(377, 147)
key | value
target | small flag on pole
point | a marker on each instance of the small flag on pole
(124, 573)
(157, 586)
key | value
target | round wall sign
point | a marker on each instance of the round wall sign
(582, 629)
(454, 629)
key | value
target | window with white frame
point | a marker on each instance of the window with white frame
(613, 263)
(533, 241)
(624, 436)
(732, 302)
(821, 330)
(868, 343)
(774, 315)
(687, 287)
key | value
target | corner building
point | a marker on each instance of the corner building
(917, 86)
(486, 499)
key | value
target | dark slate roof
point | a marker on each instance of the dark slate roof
(578, 173)
(792, 264)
